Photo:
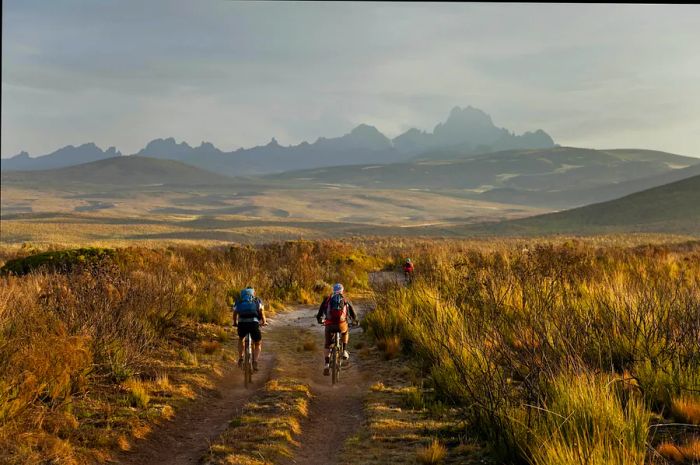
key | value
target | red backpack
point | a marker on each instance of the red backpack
(336, 310)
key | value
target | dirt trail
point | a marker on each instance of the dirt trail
(186, 438)
(335, 412)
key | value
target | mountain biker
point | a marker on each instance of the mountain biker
(408, 269)
(248, 316)
(333, 313)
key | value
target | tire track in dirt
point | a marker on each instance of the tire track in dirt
(335, 412)
(186, 437)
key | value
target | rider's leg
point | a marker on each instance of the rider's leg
(345, 338)
(257, 347)
(240, 330)
(327, 351)
(240, 347)
(256, 335)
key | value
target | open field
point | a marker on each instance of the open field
(482, 358)
(215, 215)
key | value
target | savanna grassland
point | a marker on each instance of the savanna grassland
(559, 354)
(545, 351)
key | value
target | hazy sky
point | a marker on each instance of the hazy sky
(125, 72)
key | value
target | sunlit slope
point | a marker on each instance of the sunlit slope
(119, 171)
(561, 177)
(672, 208)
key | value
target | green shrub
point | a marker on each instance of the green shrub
(60, 261)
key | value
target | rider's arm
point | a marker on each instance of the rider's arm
(263, 320)
(235, 315)
(320, 313)
(351, 312)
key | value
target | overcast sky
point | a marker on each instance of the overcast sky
(236, 74)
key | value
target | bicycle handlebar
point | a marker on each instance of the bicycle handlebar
(355, 324)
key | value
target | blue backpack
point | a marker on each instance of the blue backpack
(248, 308)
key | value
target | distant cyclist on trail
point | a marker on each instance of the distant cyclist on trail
(248, 316)
(408, 270)
(333, 313)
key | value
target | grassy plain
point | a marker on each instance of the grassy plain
(89, 215)
(544, 351)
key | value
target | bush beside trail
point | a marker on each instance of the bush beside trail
(556, 354)
(56, 261)
(95, 344)
(518, 336)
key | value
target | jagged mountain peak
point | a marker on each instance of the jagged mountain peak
(365, 129)
(22, 155)
(466, 129)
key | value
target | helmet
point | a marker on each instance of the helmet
(338, 288)
(408, 260)
(248, 291)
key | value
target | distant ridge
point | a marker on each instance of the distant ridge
(468, 129)
(124, 171)
(66, 156)
(671, 208)
(555, 178)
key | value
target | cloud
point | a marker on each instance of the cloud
(238, 73)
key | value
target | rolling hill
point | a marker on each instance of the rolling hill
(671, 208)
(559, 177)
(123, 171)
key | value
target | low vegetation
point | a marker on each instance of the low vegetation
(557, 354)
(551, 352)
(95, 352)
(266, 431)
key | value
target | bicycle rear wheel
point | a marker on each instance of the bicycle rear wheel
(247, 363)
(335, 360)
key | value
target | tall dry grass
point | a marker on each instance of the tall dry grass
(80, 344)
(557, 354)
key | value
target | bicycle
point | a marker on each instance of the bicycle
(336, 360)
(336, 355)
(248, 361)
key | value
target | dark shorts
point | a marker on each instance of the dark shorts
(341, 328)
(252, 328)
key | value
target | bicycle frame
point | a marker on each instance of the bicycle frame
(248, 361)
(336, 360)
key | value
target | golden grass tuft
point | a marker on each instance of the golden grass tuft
(167, 412)
(210, 347)
(670, 452)
(123, 443)
(377, 387)
(162, 383)
(431, 454)
(188, 357)
(138, 393)
(390, 345)
(683, 453)
(275, 414)
(686, 409)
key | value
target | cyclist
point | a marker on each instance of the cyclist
(248, 316)
(408, 270)
(333, 313)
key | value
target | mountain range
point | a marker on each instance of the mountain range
(66, 156)
(466, 130)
